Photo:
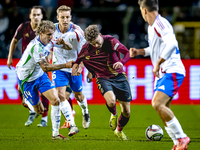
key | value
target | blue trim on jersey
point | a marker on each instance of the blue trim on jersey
(62, 78)
(41, 84)
(57, 27)
(157, 16)
(177, 51)
(40, 40)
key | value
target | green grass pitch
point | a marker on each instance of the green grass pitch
(14, 135)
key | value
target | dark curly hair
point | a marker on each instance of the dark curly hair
(91, 33)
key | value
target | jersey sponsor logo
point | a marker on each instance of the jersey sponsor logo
(116, 45)
(162, 87)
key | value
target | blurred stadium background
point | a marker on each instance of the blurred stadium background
(121, 19)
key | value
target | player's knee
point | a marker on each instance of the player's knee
(156, 105)
(79, 97)
(111, 103)
(56, 102)
(61, 96)
(126, 114)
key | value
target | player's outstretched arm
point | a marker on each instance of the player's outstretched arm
(50, 67)
(12, 48)
(135, 52)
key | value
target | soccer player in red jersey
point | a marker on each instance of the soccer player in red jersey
(26, 32)
(101, 56)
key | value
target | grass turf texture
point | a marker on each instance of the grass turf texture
(14, 135)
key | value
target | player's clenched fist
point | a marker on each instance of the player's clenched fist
(133, 52)
(69, 64)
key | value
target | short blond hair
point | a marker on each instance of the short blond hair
(43, 26)
(91, 33)
(63, 8)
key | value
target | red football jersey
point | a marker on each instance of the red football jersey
(100, 61)
(25, 32)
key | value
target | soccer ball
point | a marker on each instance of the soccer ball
(154, 133)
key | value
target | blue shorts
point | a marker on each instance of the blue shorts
(62, 78)
(169, 83)
(30, 89)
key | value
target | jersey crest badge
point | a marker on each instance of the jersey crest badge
(41, 55)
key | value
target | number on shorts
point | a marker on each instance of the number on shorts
(53, 75)
(27, 93)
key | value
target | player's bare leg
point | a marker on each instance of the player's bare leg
(82, 102)
(44, 118)
(111, 105)
(160, 103)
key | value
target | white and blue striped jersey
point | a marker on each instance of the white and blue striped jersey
(75, 36)
(163, 43)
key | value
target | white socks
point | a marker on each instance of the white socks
(171, 135)
(176, 128)
(83, 106)
(55, 119)
(67, 111)
(45, 118)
